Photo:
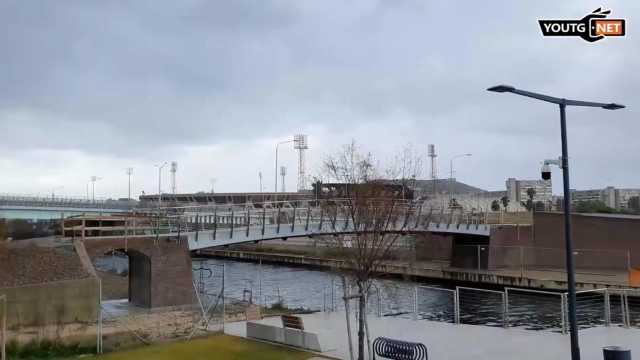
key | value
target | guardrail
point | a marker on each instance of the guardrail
(533, 309)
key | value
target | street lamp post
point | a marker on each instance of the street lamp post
(160, 182)
(129, 173)
(276, 172)
(571, 281)
(451, 174)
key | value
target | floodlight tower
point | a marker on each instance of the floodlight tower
(300, 143)
(283, 173)
(434, 171)
(93, 180)
(174, 169)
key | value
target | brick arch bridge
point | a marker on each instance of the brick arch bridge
(159, 268)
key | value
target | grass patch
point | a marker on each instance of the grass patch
(217, 347)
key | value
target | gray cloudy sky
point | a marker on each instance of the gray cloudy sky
(93, 87)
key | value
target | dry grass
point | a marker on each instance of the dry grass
(217, 347)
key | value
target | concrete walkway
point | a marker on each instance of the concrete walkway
(462, 342)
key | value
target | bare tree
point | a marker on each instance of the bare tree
(405, 168)
(374, 214)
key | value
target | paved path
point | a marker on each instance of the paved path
(463, 342)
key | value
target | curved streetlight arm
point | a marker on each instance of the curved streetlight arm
(552, 99)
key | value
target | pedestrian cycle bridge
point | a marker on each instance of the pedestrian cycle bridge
(222, 225)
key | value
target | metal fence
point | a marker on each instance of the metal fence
(443, 307)
(481, 306)
(527, 308)
(536, 309)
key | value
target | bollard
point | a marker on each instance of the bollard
(616, 353)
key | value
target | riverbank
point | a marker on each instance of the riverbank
(554, 279)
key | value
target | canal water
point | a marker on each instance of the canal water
(315, 290)
(307, 289)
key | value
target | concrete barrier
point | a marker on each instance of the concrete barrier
(302, 339)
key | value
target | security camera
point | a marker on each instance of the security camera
(546, 169)
(546, 172)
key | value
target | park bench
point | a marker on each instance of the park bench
(398, 350)
(292, 322)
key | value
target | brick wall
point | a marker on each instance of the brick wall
(169, 278)
(609, 238)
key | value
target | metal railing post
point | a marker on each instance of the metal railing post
(521, 261)
(563, 313)
(278, 221)
(264, 217)
(506, 307)
(456, 306)
(379, 302)
(197, 227)
(215, 222)
(607, 308)
(233, 221)
(293, 223)
(626, 310)
(415, 303)
(248, 217)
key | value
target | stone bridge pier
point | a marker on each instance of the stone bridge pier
(159, 269)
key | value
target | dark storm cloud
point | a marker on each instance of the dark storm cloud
(143, 75)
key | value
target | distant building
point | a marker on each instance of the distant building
(517, 191)
(610, 196)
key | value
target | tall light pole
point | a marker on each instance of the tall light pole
(451, 173)
(160, 182)
(93, 187)
(275, 189)
(129, 173)
(571, 281)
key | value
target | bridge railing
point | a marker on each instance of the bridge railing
(312, 216)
